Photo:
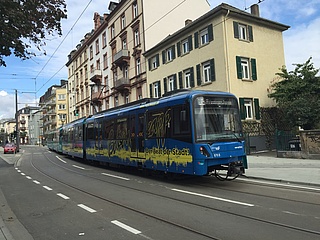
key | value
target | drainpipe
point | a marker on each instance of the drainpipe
(227, 52)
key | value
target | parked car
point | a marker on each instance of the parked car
(10, 148)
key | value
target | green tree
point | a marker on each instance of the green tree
(298, 94)
(26, 23)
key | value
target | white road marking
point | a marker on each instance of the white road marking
(61, 159)
(215, 198)
(279, 184)
(16, 168)
(63, 196)
(87, 208)
(28, 177)
(291, 213)
(78, 167)
(48, 188)
(114, 176)
(36, 182)
(23, 174)
(126, 227)
(18, 171)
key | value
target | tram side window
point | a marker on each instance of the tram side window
(90, 132)
(70, 134)
(181, 123)
(122, 128)
(78, 133)
(109, 129)
(158, 123)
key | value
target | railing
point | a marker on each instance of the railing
(124, 53)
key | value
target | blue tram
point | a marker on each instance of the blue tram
(189, 132)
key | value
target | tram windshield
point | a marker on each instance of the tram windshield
(217, 119)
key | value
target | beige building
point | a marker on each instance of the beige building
(8, 127)
(111, 56)
(54, 106)
(224, 50)
(78, 94)
(23, 123)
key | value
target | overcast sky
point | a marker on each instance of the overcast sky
(33, 77)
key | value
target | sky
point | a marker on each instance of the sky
(31, 78)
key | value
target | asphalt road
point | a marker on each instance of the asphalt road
(55, 197)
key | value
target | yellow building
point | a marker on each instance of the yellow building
(54, 106)
(226, 49)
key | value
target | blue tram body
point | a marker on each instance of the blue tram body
(190, 132)
(71, 138)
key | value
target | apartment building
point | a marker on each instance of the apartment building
(78, 94)
(23, 123)
(226, 49)
(8, 127)
(54, 106)
(34, 124)
(113, 64)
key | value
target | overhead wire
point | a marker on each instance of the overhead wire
(59, 47)
(109, 57)
(141, 33)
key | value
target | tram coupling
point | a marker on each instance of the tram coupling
(230, 171)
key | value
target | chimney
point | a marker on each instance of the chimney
(96, 19)
(187, 22)
(255, 10)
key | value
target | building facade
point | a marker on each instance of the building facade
(224, 50)
(7, 130)
(114, 67)
(54, 108)
(23, 123)
(34, 127)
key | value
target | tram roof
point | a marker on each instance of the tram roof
(149, 102)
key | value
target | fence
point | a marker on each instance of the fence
(287, 141)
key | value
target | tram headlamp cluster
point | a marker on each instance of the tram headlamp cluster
(204, 151)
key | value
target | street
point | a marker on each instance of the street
(55, 197)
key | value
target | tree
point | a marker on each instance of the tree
(27, 22)
(298, 94)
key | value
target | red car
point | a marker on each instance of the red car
(10, 148)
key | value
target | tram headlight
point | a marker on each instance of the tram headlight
(204, 151)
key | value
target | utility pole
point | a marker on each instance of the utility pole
(17, 122)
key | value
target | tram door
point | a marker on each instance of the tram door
(141, 136)
(133, 137)
(137, 136)
(98, 137)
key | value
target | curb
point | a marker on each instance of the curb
(288, 182)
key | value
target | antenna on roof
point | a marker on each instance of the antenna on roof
(245, 4)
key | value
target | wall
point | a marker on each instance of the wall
(310, 143)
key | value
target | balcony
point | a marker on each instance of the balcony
(96, 98)
(122, 85)
(122, 58)
(96, 75)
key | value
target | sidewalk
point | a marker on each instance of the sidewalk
(268, 167)
(10, 226)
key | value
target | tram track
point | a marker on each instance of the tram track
(125, 206)
(263, 195)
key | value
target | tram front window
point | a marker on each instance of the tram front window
(217, 119)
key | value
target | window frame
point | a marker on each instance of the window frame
(206, 71)
(135, 11)
(185, 46)
(204, 33)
